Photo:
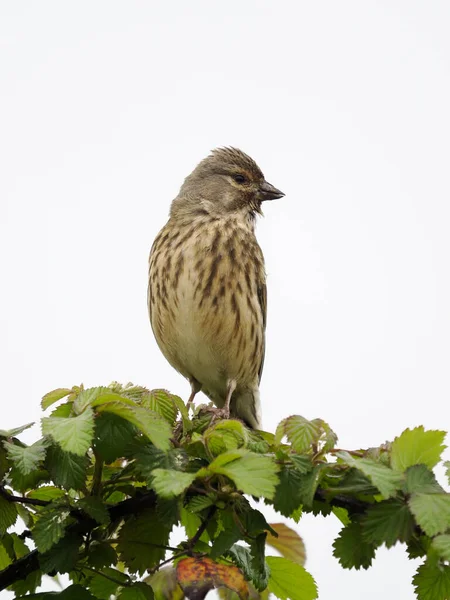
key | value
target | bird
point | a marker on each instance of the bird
(207, 297)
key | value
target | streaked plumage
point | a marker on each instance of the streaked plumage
(207, 283)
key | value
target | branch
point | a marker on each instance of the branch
(22, 499)
(22, 567)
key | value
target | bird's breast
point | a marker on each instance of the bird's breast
(204, 279)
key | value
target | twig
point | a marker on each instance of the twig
(113, 579)
(194, 539)
(23, 499)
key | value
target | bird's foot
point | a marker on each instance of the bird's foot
(217, 414)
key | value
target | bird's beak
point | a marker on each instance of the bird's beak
(269, 192)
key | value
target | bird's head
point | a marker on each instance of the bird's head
(227, 181)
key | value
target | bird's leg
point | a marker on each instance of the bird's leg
(230, 389)
(195, 388)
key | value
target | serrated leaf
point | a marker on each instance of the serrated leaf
(103, 587)
(388, 522)
(87, 398)
(431, 511)
(136, 591)
(382, 477)
(26, 458)
(148, 458)
(420, 479)
(22, 483)
(8, 514)
(198, 503)
(46, 492)
(161, 402)
(300, 432)
(342, 515)
(168, 483)
(254, 474)
(432, 581)
(441, 544)
(112, 436)
(54, 396)
(28, 585)
(288, 494)
(350, 548)
(9, 433)
(197, 576)
(140, 540)
(303, 464)
(73, 434)
(67, 470)
(288, 543)
(447, 470)
(229, 534)
(260, 571)
(225, 435)
(101, 554)
(289, 580)
(50, 527)
(95, 508)
(5, 559)
(417, 446)
(148, 422)
(62, 557)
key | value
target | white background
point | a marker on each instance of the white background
(106, 106)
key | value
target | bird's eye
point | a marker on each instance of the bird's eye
(239, 178)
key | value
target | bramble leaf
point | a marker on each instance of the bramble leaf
(382, 477)
(169, 483)
(26, 458)
(289, 580)
(50, 527)
(73, 434)
(8, 514)
(417, 446)
(431, 511)
(441, 544)
(67, 470)
(432, 581)
(53, 397)
(288, 543)
(388, 522)
(254, 474)
(299, 431)
(350, 548)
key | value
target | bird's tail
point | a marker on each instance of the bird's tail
(246, 405)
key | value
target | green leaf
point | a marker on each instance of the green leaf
(47, 492)
(50, 527)
(342, 515)
(27, 585)
(225, 435)
(300, 432)
(10, 433)
(53, 397)
(447, 470)
(382, 477)
(102, 587)
(289, 580)
(161, 402)
(229, 534)
(350, 548)
(303, 463)
(242, 558)
(432, 581)
(260, 577)
(8, 514)
(388, 522)
(165, 584)
(112, 436)
(431, 511)
(26, 458)
(309, 484)
(87, 398)
(22, 483)
(417, 446)
(137, 591)
(420, 479)
(101, 554)
(198, 503)
(168, 483)
(254, 474)
(140, 539)
(67, 470)
(73, 434)
(150, 423)
(288, 494)
(62, 557)
(441, 544)
(95, 508)
(5, 559)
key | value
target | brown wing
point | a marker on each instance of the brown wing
(262, 299)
